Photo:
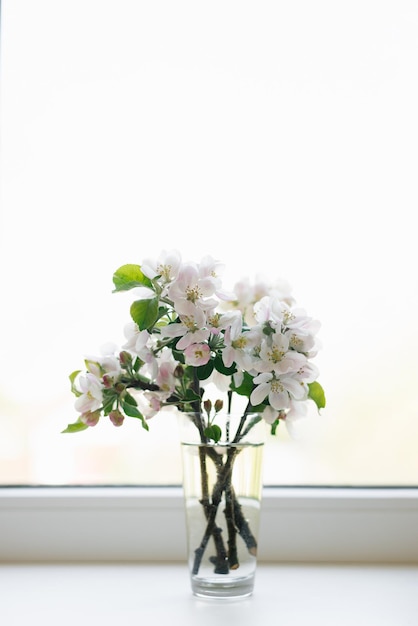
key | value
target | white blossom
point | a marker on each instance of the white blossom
(191, 286)
(278, 390)
(91, 397)
(166, 266)
(166, 366)
(238, 347)
(192, 325)
(108, 364)
(136, 339)
(275, 356)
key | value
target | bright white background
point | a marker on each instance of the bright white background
(278, 137)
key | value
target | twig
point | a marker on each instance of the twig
(221, 559)
(224, 476)
(231, 526)
(244, 528)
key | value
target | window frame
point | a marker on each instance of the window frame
(146, 524)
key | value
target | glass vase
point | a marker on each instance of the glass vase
(222, 484)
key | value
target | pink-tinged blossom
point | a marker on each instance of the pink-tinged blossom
(275, 356)
(300, 342)
(108, 365)
(136, 339)
(192, 326)
(296, 319)
(197, 354)
(307, 373)
(166, 365)
(217, 321)
(214, 322)
(166, 266)
(297, 410)
(141, 343)
(238, 378)
(247, 294)
(91, 397)
(193, 288)
(270, 415)
(150, 403)
(211, 271)
(238, 346)
(278, 390)
(268, 311)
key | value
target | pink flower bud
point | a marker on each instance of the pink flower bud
(107, 381)
(125, 358)
(90, 418)
(116, 417)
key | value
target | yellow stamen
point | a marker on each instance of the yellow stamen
(276, 386)
(275, 355)
(189, 322)
(193, 293)
(239, 343)
(164, 271)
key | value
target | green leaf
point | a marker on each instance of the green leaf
(162, 313)
(75, 428)
(72, 378)
(246, 387)
(129, 276)
(129, 399)
(145, 313)
(137, 364)
(178, 355)
(131, 410)
(220, 367)
(258, 408)
(317, 394)
(268, 330)
(204, 371)
(109, 398)
(213, 432)
(191, 396)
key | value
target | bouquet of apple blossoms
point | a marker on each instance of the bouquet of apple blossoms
(185, 332)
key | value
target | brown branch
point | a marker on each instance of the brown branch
(232, 529)
(244, 528)
(224, 478)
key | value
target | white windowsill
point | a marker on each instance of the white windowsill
(147, 525)
(129, 594)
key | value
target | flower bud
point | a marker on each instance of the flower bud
(179, 371)
(207, 405)
(119, 387)
(125, 358)
(218, 405)
(107, 381)
(90, 418)
(116, 417)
